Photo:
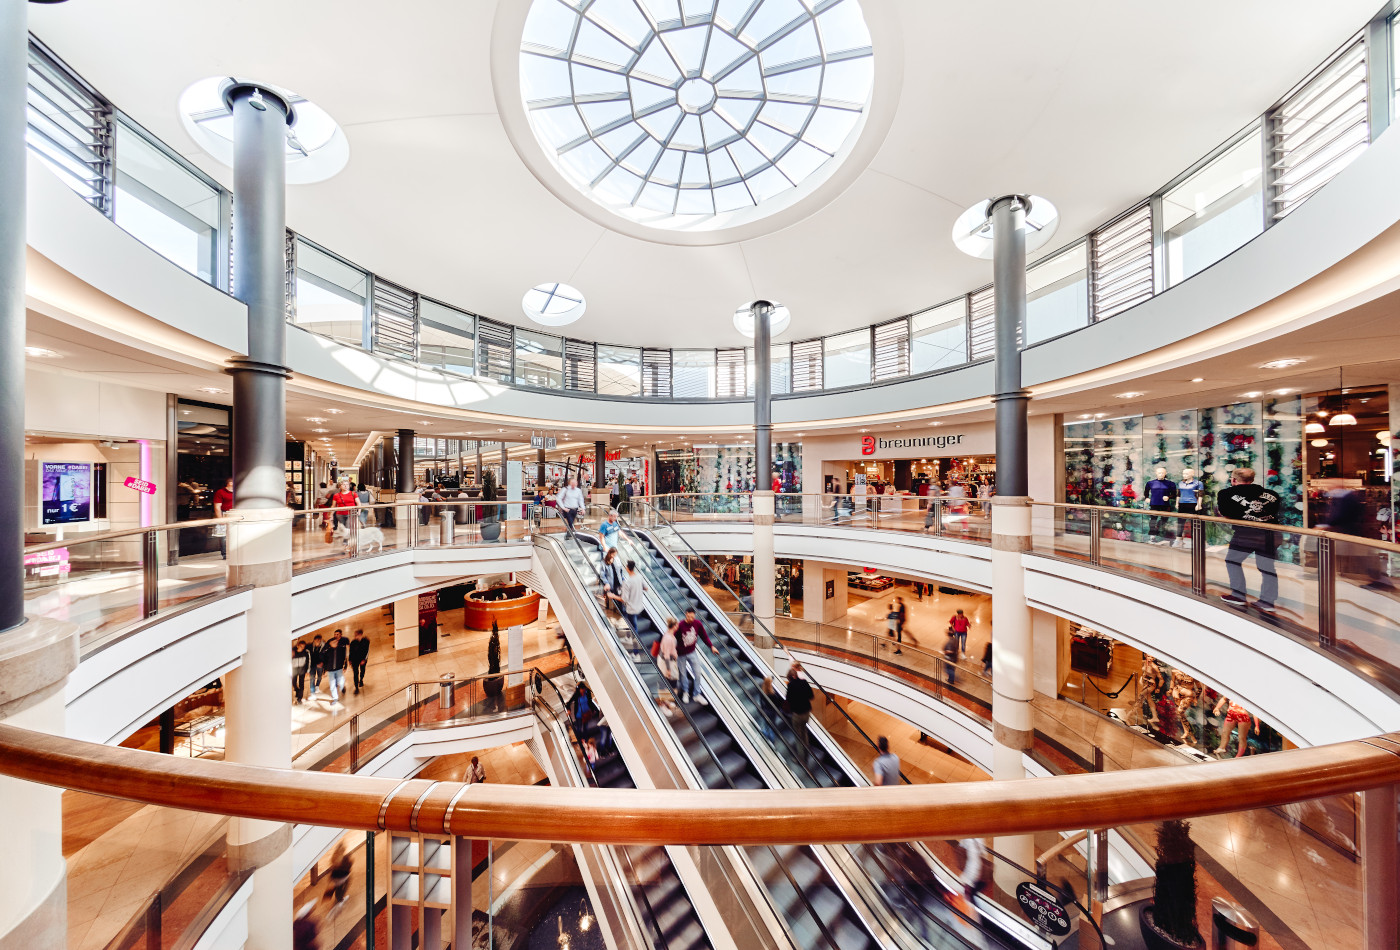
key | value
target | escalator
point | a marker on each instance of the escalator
(902, 877)
(668, 916)
(816, 911)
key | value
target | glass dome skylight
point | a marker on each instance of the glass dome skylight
(672, 112)
(553, 304)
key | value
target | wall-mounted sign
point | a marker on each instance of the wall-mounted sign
(140, 484)
(543, 442)
(870, 444)
(65, 492)
(1043, 908)
(830, 590)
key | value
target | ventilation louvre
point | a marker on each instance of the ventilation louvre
(1123, 274)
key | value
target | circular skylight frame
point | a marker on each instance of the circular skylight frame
(317, 148)
(553, 304)
(778, 319)
(598, 90)
(972, 231)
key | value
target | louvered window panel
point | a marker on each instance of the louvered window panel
(807, 366)
(69, 128)
(731, 375)
(656, 373)
(1319, 130)
(580, 367)
(495, 348)
(982, 324)
(395, 321)
(1122, 264)
(891, 349)
(289, 282)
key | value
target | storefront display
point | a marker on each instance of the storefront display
(725, 469)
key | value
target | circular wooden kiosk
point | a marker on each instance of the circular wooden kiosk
(509, 605)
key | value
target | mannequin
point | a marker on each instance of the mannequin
(1237, 720)
(1161, 496)
(1189, 492)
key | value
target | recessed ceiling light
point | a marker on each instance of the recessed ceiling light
(315, 419)
(1284, 392)
(935, 423)
(39, 352)
(865, 430)
(1100, 415)
(335, 412)
(1252, 394)
(1198, 379)
(320, 430)
(1127, 395)
(1282, 364)
(211, 389)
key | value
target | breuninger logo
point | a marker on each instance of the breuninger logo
(869, 444)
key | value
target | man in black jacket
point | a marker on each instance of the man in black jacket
(337, 655)
(799, 702)
(316, 662)
(359, 658)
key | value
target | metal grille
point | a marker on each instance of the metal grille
(580, 367)
(1122, 274)
(891, 349)
(1319, 130)
(656, 373)
(981, 324)
(806, 365)
(70, 128)
(395, 321)
(731, 374)
(495, 350)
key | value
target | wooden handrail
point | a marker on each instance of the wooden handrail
(660, 817)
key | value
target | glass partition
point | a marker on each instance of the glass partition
(779, 369)
(539, 359)
(1215, 210)
(1057, 294)
(331, 295)
(846, 359)
(938, 337)
(446, 337)
(164, 206)
(693, 374)
(619, 370)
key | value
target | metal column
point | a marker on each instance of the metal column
(405, 483)
(539, 469)
(260, 120)
(762, 396)
(1009, 280)
(600, 466)
(14, 60)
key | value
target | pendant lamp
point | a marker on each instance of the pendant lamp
(1343, 418)
(1314, 428)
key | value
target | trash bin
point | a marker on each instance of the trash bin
(448, 519)
(1231, 926)
(446, 690)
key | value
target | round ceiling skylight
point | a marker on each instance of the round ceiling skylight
(316, 147)
(553, 305)
(689, 113)
(778, 319)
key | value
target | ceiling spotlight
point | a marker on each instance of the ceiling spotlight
(39, 352)
(1100, 415)
(314, 419)
(1282, 364)
(1128, 395)
(1314, 428)
(335, 412)
(1252, 394)
(1084, 416)
(320, 430)
(1198, 379)
(256, 101)
(211, 389)
(1284, 392)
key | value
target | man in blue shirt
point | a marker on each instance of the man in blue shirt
(608, 531)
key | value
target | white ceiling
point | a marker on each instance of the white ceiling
(1092, 103)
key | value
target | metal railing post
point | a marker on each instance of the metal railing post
(153, 935)
(1198, 557)
(150, 576)
(369, 890)
(412, 526)
(1095, 534)
(354, 743)
(1326, 592)
(352, 528)
(937, 516)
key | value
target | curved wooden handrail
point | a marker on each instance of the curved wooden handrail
(660, 817)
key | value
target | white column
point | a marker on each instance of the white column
(405, 629)
(1013, 674)
(765, 579)
(515, 655)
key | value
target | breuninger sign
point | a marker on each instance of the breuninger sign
(870, 444)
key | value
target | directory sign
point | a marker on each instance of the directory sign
(65, 492)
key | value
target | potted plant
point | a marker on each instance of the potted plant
(494, 682)
(490, 519)
(1169, 922)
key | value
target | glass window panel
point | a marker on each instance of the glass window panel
(939, 337)
(1057, 294)
(619, 370)
(693, 374)
(846, 361)
(1215, 211)
(780, 368)
(331, 295)
(539, 359)
(446, 337)
(165, 207)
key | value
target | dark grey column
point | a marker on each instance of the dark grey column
(600, 467)
(14, 59)
(762, 396)
(260, 120)
(539, 468)
(501, 483)
(1009, 280)
(478, 463)
(405, 461)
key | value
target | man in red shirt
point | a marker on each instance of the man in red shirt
(223, 502)
(959, 624)
(688, 632)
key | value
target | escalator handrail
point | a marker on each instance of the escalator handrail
(758, 625)
(714, 757)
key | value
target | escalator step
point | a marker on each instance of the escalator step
(851, 935)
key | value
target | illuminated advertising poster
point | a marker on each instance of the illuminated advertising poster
(65, 493)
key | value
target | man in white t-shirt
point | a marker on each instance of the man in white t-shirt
(571, 503)
(632, 596)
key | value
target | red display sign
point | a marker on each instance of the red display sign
(867, 445)
(140, 484)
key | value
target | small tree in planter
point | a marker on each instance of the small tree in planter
(1169, 922)
(494, 682)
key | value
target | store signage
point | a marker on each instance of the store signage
(1043, 908)
(140, 484)
(48, 563)
(65, 492)
(870, 444)
(543, 442)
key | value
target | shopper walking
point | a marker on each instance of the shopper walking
(570, 503)
(476, 772)
(362, 496)
(611, 574)
(903, 612)
(689, 632)
(959, 624)
(359, 658)
(799, 703)
(223, 504)
(1346, 514)
(886, 767)
(301, 660)
(1246, 501)
(609, 530)
(950, 655)
(316, 660)
(343, 500)
(337, 656)
(632, 595)
(987, 659)
(892, 625)
(668, 653)
(341, 866)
